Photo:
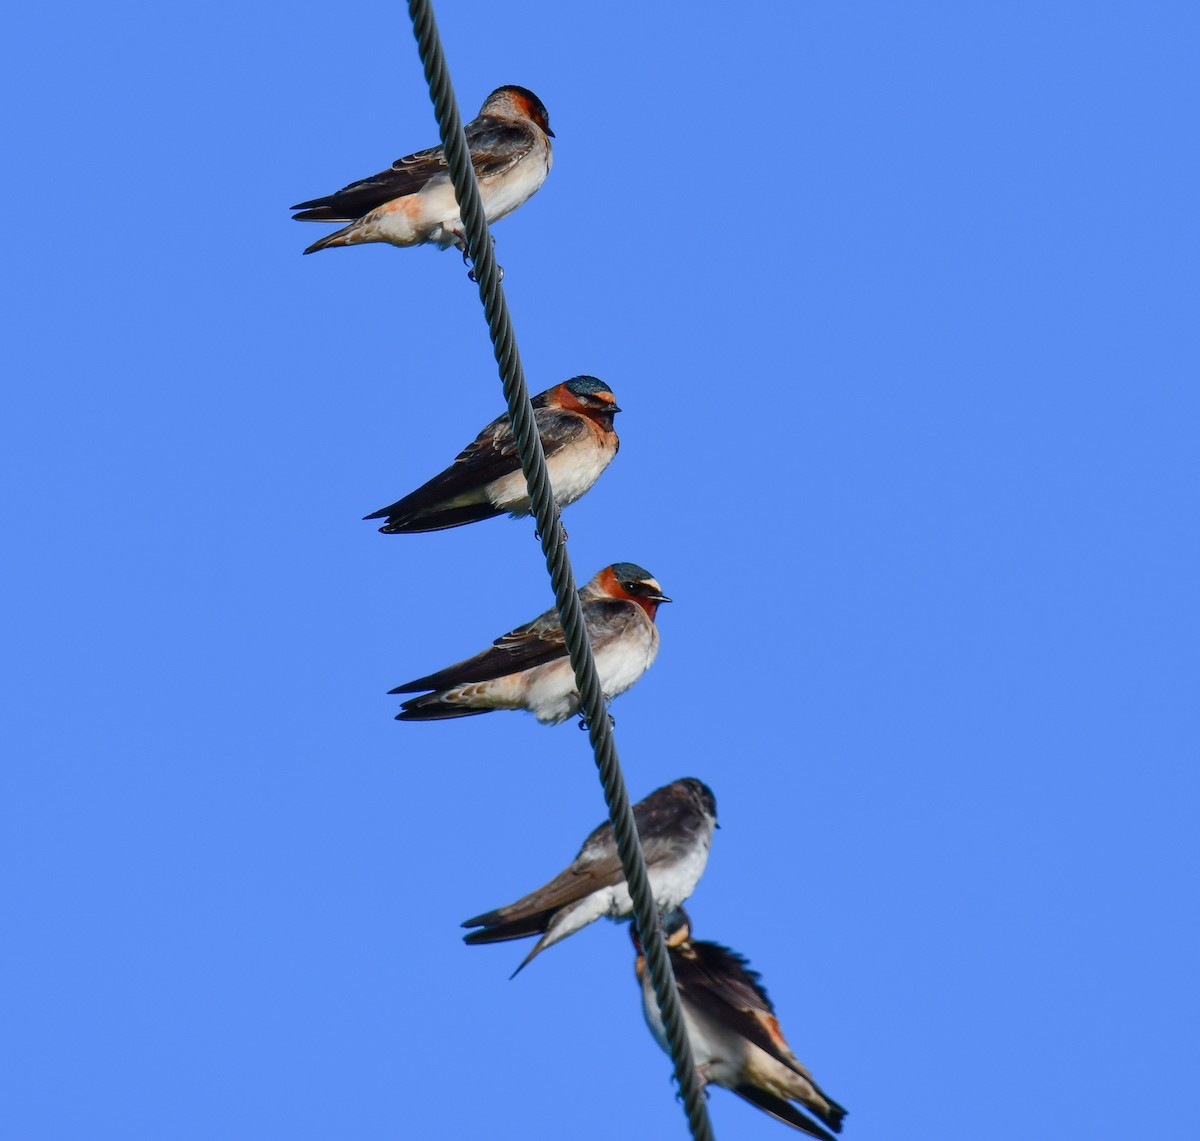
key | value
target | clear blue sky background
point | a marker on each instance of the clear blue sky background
(901, 303)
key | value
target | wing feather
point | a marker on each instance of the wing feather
(781, 1110)
(495, 144)
(492, 455)
(534, 644)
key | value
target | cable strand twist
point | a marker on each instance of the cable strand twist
(593, 704)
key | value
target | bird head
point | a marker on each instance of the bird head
(701, 793)
(513, 102)
(629, 581)
(587, 395)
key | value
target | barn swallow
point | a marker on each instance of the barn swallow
(412, 202)
(675, 825)
(575, 422)
(528, 668)
(733, 1031)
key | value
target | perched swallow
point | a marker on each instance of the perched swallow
(732, 1027)
(412, 202)
(675, 824)
(575, 422)
(528, 668)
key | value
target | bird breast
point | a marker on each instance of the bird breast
(709, 1047)
(621, 660)
(673, 882)
(572, 470)
(505, 192)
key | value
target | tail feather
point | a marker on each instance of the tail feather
(431, 707)
(542, 944)
(318, 210)
(495, 930)
(346, 236)
(433, 519)
(784, 1111)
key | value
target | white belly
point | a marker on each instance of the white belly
(572, 471)
(549, 692)
(673, 883)
(705, 1040)
(625, 659)
(501, 196)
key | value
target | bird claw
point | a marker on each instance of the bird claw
(499, 274)
(467, 261)
(537, 534)
(702, 1076)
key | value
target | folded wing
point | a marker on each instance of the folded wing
(495, 144)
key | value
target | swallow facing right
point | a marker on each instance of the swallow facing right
(575, 422)
(528, 668)
(675, 825)
(412, 203)
(733, 1031)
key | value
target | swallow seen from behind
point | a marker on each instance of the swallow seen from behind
(733, 1031)
(675, 824)
(575, 422)
(412, 202)
(528, 668)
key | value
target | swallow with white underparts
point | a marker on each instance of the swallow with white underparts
(575, 422)
(528, 668)
(731, 1025)
(675, 825)
(412, 203)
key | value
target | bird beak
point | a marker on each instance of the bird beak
(549, 132)
(660, 598)
(615, 408)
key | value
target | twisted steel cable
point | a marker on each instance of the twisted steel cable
(553, 540)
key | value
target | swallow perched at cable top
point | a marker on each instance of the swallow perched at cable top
(412, 203)
(528, 668)
(575, 422)
(733, 1031)
(675, 824)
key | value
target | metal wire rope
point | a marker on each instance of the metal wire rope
(545, 510)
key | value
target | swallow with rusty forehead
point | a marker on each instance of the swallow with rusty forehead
(528, 668)
(675, 825)
(412, 203)
(575, 422)
(734, 1034)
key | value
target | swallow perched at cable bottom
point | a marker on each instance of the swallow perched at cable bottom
(731, 1024)
(412, 203)
(528, 668)
(675, 825)
(575, 422)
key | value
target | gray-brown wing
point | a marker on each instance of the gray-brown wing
(663, 825)
(596, 866)
(490, 456)
(720, 983)
(495, 145)
(533, 644)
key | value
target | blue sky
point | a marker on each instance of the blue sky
(900, 302)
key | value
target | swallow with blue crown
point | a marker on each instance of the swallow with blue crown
(528, 668)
